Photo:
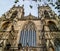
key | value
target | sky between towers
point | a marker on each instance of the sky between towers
(5, 5)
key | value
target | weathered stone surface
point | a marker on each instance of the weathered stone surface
(13, 21)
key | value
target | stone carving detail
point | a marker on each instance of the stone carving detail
(13, 36)
(3, 38)
(15, 17)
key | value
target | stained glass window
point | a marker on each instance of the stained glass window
(28, 36)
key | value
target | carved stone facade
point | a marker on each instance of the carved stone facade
(14, 21)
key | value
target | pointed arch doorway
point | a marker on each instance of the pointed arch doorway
(28, 35)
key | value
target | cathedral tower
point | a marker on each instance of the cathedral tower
(28, 33)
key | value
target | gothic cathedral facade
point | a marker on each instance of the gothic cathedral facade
(28, 33)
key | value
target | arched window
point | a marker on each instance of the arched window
(28, 35)
(52, 26)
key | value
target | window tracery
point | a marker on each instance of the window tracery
(28, 35)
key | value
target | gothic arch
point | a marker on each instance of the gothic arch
(52, 26)
(51, 22)
(54, 21)
(28, 35)
(27, 23)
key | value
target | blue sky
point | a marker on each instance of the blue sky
(5, 5)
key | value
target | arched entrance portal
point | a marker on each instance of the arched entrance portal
(28, 35)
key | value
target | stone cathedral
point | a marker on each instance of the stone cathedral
(29, 33)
